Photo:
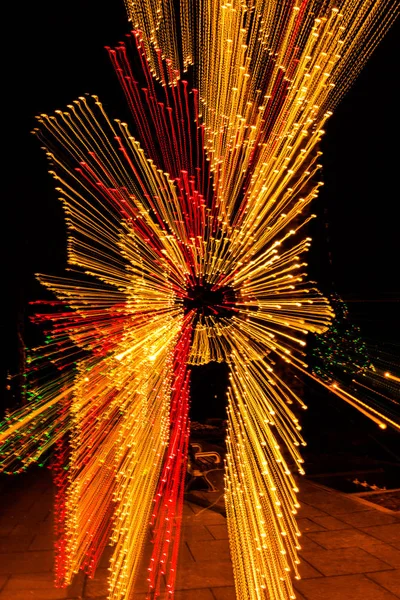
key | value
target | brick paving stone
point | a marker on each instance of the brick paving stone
(105, 557)
(215, 498)
(344, 587)
(76, 587)
(332, 523)
(219, 532)
(199, 594)
(7, 524)
(309, 512)
(306, 485)
(192, 533)
(386, 533)
(390, 580)
(331, 501)
(35, 586)
(339, 506)
(139, 596)
(344, 561)
(185, 554)
(141, 584)
(42, 541)
(228, 593)
(26, 581)
(307, 544)
(18, 504)
(28, 528)
(26, 562)
(369, 518)
(197, 507)
(50, 517)
(224, 593)
(214, 550)
(331, 547)
(17, 543)
(37, 514)
(306, 570)
(53, 594)
(315, 495)
(207, 574)
(306, 525)
(344, 538)
(204, 517)
(98, 586)
(386, 553)
(187, 509)
(40, 507)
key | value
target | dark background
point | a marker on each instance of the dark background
(55, 52)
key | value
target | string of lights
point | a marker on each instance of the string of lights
(187, 243)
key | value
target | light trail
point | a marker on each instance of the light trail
(187, 244)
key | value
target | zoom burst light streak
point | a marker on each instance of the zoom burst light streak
(187, 244)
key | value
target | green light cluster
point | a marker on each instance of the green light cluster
(340, 352)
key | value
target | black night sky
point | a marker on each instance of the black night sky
(55, 53)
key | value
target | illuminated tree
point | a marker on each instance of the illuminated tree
(186, 245)
(340, 352)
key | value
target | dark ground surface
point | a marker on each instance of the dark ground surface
(358, 466)
(350, 548)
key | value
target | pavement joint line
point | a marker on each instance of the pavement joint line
(5, 583)
(375, 492)
(357, 527)
(354, 497)
(303, 560)
(383, 509)
(84, 584)
(190, 552)
(377, 582)
(199, 501)
(328, 495)
(303, 503)
(305, 535)
(362, 530)
(337, 575)
(210, 532)
(32, 540)
(382, 541)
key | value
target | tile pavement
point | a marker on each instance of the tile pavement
(350, 549)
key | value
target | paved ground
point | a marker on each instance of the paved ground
(351, 549)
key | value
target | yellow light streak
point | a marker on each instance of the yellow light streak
(267, 76)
